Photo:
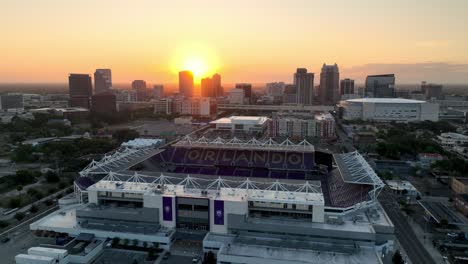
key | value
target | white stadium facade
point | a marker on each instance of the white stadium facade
(389, 109)
(250, 201)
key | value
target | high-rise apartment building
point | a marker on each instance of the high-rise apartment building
(275, 89)
(380, 86)
(80, 89)
(247, 87)
(207, 88)
(290, 94)
(102, 80)
(218, 89)
(434, 91)
(304, 83)
(329, 85)
(140, 87)
(347, 86)
(158, 91)
(186, 83)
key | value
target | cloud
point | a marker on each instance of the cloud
(437, 72)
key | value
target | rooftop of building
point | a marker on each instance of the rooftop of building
(462, 180)
(251, 120)
(400, 185)
(142, 142)
(386, 100)
(382, 75)
(453, 135)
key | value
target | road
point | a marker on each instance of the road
(405, 234)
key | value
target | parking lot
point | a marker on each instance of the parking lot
(119, 256)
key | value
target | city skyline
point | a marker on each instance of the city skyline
(392, 37)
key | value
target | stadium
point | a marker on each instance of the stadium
(243, 198)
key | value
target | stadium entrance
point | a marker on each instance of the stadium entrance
(193, 214)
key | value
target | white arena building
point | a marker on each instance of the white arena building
(389, 109)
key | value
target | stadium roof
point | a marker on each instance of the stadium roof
(253, 143)
(142, 142)
(121, 159)
(355, 169)
(305, 192)
(385, 100)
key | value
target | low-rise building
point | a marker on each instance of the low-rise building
(427, 159)
(389, 109)
(450, 139)
(242, 124)
(459, 185)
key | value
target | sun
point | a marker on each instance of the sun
(197, 65)
(197, 58)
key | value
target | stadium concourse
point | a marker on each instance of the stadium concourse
(248, 201)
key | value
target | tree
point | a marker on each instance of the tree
(210, 258)
(14, 203)
(19, 188)
(34, 209)
(115, 241)
(135, 242)
(3, 224)
(124, 135)
(51, 177)
(151, 253)
(397, 258)
(19, 216)
(125, 241)
(145, 244)
(444, 222)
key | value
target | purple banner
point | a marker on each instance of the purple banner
(167, 208)
(218, 212)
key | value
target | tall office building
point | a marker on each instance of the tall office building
(207, 88)
(186, 83)
(329, 85)
(433, 91)
(275, 89)
(290, 94)
(304, 83)
(158, 91)
(347, 86)
(102, 80)
(218, 89)
(140, 87)
(104, 103)
(247, 87)
(380, 86)
(80, 89)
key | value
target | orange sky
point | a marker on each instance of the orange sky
(246, 41)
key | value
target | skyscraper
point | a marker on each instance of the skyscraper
(247, 87)
(104, 103)
(158, 91)
(140, 87)
(329, 85)
(80, 89)
(433, 91)
(304, 83)
(347, 86)
(380, 86)
(207, 88)
(290, 94)
(186, 83)
(218, 89)
(102, 80)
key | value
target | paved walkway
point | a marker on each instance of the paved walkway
(426, 241)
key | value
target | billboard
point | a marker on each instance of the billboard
(218, 212)
(167, 208)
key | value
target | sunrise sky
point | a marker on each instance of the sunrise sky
(244, 40)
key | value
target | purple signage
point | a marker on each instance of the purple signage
(218, 212)
(167, 208)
